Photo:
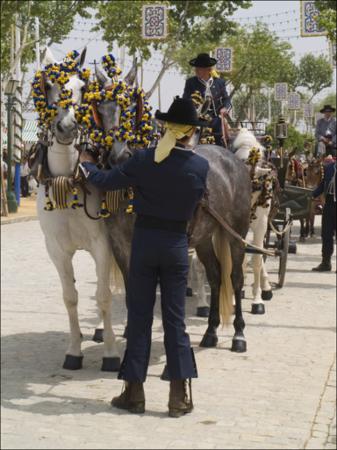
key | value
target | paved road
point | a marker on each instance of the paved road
(280, 394)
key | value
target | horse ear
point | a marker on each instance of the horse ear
(96, 114)
(43, 84)
(81, 57)
(139, 109)
(102, 79)
(49, 57)
(132, 74)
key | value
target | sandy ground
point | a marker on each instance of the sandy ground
(280, 394)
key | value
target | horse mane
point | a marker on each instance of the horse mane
(244, 142)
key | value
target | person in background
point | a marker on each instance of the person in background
(326, 132)
(24, 174)
(328, 187)
(206, 81)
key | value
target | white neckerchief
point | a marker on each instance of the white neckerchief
(207, 83)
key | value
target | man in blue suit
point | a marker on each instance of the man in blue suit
(212, 86)
(168, 182)
(328, 186)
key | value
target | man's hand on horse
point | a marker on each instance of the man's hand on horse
(87, 157)
(224, 111)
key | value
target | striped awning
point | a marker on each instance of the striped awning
(29, 133)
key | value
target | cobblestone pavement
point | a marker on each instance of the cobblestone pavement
(280, 394)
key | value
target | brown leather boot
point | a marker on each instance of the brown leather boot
(132, 398)
(179, 403)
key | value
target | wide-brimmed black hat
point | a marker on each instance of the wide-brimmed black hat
(203, 60)
(327, 108)
(182, 111)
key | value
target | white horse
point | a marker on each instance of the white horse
(69, 230)
(242, 146)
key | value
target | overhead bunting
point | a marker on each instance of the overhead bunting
(309, 25)
(294, 101)
(308, 110)
(281, 91)
(225, 59)
(154, 21)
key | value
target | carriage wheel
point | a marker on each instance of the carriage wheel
(284, 251)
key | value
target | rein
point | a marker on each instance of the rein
(211, 211)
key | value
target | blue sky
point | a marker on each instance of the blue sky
(284, 19)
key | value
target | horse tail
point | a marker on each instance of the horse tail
(116, 277)
(222, 250)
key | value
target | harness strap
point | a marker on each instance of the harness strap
(230, 230)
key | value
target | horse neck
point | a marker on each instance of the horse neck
(62, 159)
(243, 152)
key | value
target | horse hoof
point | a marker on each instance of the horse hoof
(209, 340)
(292, 248)
(73, 362)
(267, 295)
(125, 334)
(98, 335)
(258, 308)
(165, 375)
(239, 345)
(203, 311)
(111, 364)
(189, 292)
(243, 294)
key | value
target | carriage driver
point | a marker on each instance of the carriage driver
(206, 82)
(168, 182)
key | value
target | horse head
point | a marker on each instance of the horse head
(107, 114)
(244, 142)
(63, 97)
(314, 173)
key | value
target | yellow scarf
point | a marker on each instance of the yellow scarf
(173, 132)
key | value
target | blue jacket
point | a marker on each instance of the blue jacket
(218, 89)
(169, 190)
(329, 171)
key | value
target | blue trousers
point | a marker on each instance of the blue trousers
(157, 256)
(217, 131)
(328, 226)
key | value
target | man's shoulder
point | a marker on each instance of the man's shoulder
(200, 161)
(192, 80)
(144, 154)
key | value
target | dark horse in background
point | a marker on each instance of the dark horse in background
(229, 194)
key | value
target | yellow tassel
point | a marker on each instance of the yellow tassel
(104, 213)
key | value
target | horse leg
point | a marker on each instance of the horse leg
(103, 260)
(302, 231)
(244, 271)
(312, 222)
(198, 272)
(239, 342)
(63, 263)
(267, 293)
(206, 254)
(259, 227)
(189, 290)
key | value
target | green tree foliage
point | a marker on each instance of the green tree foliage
(327, 17)
(315, 74)
(295, 140)
(56, 21)
(329, 99)
(260, 99)
(191, 24)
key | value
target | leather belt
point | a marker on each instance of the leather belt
(151, 222)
